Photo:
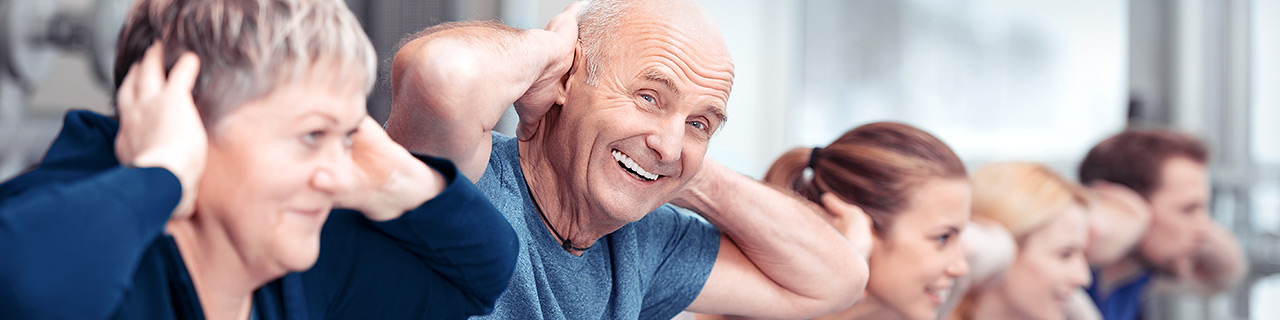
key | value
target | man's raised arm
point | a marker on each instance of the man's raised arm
(451, 83)
(778, 258)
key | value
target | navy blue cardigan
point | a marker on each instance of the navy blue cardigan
(82, 237)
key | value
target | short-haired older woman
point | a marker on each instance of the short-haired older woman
(214, 195)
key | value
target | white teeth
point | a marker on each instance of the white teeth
(941, 293)
(631, 164)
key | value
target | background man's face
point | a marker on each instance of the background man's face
(1179, 214)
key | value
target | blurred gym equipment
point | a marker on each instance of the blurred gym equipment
(33, 33)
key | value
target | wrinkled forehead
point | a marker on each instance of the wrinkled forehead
(681, 31)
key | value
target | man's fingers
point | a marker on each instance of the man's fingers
(566, 18)
(523, 133)
(527, 129)
(184, 73)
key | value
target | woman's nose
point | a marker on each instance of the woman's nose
(1079, 273)
(959, 268)
(335, 174)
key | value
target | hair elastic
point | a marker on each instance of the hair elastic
(813, 158)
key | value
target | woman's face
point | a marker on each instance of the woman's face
(275, 165)
(1049, 267)
(914, 263)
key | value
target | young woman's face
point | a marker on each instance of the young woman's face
(1050, 266)
(914, 263)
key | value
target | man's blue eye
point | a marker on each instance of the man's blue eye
(648, 98)
(698, 124)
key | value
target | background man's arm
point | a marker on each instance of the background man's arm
(1220, 264)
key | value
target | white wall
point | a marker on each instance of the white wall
(997, 79)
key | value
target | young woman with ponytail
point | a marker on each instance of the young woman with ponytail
(915, 191)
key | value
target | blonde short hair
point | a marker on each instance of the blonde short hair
(1023, 196)
(248, 48)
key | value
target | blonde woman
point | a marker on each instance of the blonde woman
(1046, 215)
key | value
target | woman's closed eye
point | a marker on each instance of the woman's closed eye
(944, 238)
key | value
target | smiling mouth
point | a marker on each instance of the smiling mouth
(633, 168)
(939, 294)
(310, 212)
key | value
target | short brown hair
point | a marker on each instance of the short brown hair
(872, 166)
(248, 48)
(1134, 158)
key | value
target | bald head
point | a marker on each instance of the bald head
(601, 24)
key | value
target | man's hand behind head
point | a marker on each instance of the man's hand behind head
(561, 42)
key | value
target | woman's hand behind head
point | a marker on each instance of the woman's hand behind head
(851, 221)
(388, 180)
(159, 123)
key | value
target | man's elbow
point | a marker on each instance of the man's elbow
(849, 289)
(430, 77)
(839, 292)
(429, 82)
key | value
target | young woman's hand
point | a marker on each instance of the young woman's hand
(854, 223)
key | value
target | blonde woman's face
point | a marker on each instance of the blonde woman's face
(916, 261)
(1050, 266)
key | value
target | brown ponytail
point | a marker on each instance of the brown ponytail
(872, 166)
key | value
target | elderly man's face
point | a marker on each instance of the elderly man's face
(640, 133)
(275, 166)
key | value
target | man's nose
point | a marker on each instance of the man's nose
(668, 139)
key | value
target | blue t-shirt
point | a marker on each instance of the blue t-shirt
(1125, 301)
(648, 269)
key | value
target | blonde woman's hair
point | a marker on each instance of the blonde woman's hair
(1023, 196)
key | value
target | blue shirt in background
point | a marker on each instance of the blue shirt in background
(82, 237)
(1123, 303)
(648, 269)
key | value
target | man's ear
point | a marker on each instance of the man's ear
(562, 93)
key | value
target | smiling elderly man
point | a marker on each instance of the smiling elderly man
(617, 105)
